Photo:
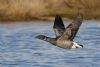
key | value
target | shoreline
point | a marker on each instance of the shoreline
(37, 19)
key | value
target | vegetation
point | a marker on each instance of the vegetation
(12, 10)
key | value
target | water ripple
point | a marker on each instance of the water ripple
(19, 48)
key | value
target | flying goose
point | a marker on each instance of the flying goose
(64, 36)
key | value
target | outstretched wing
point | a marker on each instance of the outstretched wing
(72, 29)
(58, 26)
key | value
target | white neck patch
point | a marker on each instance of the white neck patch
(44, 39)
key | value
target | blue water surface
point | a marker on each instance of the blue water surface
(19, 48)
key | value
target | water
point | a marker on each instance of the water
(19, 48)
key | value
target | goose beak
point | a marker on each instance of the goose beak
(37, 37)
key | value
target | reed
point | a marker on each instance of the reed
(14, 10)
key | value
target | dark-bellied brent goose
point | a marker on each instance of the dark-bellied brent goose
(64, 36)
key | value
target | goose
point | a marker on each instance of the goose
(64, 36)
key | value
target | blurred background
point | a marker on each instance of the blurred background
(22, 20)
(20, 10)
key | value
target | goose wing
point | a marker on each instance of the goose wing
(72, 29)
(58, 26)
